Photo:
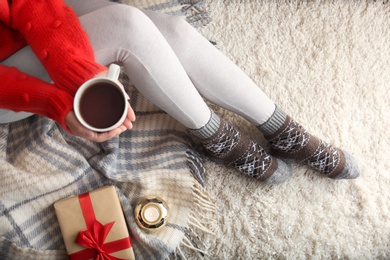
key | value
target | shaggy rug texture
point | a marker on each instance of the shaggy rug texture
(327, 64)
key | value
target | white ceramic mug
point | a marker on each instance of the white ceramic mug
(100, 104)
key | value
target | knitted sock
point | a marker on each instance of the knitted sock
(227, 145)
(291, 141)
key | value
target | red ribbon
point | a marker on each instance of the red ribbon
(93, 238)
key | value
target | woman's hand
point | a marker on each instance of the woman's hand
(78, 129)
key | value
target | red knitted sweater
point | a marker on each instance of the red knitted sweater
(55, 35)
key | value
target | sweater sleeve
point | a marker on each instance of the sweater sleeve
(21, 92)
(54, 33)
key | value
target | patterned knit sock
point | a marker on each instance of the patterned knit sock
(227, 145)
(291, 141)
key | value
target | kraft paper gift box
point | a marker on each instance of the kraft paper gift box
(93, 226)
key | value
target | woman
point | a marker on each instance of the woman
(169, 62)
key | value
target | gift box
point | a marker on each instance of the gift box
(93, 226)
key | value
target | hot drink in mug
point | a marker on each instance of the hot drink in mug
(100, 104)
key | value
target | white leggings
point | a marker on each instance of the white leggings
(167, 60)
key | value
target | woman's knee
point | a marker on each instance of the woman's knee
(131, 21)
(128, 17)
(118, 26)
(174, 28)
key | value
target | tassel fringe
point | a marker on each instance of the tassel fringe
(201, 222)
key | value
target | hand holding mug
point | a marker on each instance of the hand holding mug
(101, 108)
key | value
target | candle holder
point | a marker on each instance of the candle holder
(151, 213)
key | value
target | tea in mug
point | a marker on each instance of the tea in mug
(102, 105)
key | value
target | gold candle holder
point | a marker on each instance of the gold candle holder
(151, 213)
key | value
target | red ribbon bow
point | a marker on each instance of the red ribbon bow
(93, 238)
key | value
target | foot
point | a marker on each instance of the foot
(228, 146)
(292, 142)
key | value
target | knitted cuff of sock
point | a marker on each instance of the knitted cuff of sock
(208, 129)
(274, 122)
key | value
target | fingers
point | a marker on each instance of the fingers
(130, 118)
(101, 137)
(130, 114)
(127, 124)
(78, 129)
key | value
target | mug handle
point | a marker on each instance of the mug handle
(113, 72)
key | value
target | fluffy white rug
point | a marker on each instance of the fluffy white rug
(326, 63)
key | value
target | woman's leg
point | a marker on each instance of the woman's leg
(141, 56)
(125, 35)
(184, 40)
(223, 83)
(216, 77)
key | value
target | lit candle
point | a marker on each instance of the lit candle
(152, 213)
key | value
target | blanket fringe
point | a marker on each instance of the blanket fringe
(200, 222)
(195, 163)
(195, 12)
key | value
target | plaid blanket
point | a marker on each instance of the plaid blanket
(193, 10)
(40, 164)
